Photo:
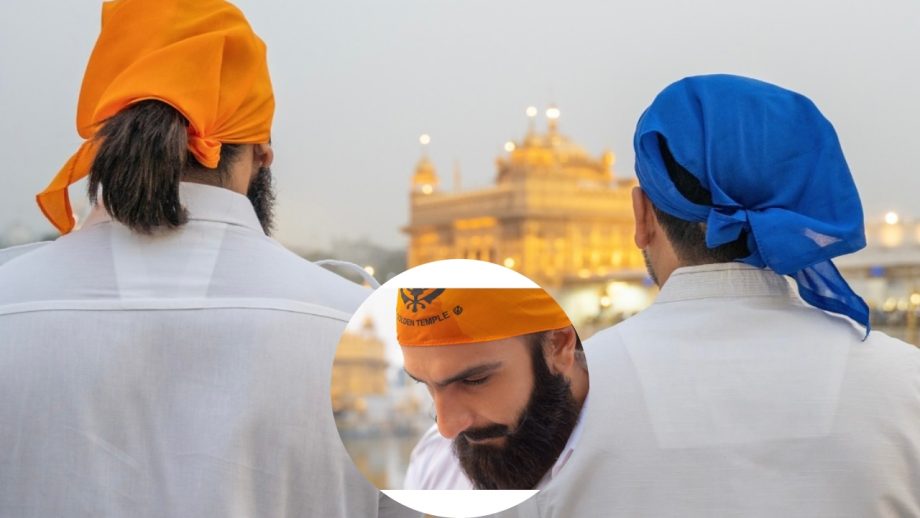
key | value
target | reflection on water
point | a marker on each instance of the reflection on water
(379, 411)
(383, 460)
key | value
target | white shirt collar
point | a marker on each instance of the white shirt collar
(723, 280)
(203, 203)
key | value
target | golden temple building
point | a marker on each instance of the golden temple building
(359, 369)
(556, 214)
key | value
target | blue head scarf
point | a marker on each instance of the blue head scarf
(774, 168)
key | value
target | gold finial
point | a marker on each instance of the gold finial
(368, 324)
(531, 116)
(553, 113)
(425, 179)
(424, 139)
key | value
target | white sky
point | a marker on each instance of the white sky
(358, 80)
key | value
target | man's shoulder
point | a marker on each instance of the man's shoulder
(21, 267)
(891, 344)
(99, 264)
(612, 337)
(797, 323)
(890, 354)
(288, 275)
(13, 252)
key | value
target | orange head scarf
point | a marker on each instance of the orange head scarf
(199, 56)
(451, 316)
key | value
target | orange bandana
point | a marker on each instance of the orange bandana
(199, 56)
(448, 316)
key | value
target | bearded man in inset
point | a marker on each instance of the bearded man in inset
(509, 382)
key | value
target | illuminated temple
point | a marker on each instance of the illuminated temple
(561, 217)
(359, 370)
(555, 213)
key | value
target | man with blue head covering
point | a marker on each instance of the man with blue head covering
(763, 170)
(753, 385)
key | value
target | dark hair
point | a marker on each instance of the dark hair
(143, 154)
(689, 237)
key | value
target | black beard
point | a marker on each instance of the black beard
(534, 446)
(648, 267)
(261, 194)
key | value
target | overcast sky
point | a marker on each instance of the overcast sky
(357, 81)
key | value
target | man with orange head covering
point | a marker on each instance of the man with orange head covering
(169, 358)
(508, 379)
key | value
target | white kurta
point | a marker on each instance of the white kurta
(185, 374)
(730, 397)
(433, 464)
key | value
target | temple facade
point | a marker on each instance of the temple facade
(561, 217)
(359, 370)
(555, 213)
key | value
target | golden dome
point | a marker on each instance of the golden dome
(425, 178)
(553, 153)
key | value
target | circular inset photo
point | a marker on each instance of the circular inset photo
(459, 375)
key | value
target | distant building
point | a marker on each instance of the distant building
(562, 218)
(380, 415)
(555, 213)
(359, 370)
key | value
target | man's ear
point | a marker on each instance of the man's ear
(644, 218)
(263, 155)
(561, 354)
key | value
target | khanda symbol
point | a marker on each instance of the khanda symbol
(418, 298)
